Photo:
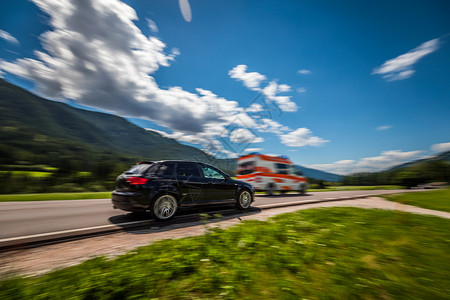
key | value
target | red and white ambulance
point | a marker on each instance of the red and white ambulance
(270, 173)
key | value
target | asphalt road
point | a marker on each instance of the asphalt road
(19, 219)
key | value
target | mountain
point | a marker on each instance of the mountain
(35, 130)
(320, 175)
(32, 127)
(444, 157)
(422, 171)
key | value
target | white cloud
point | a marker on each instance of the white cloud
(269, 125)
(242, 135)
(304, 72)
(254, 108)
(301, 90)
(441, 147)
(251, 80)
(284, 102)
(301, 137)
(283, 88)
(386, 160)
(384, 127)
(253, 150)
(8, 37)
(338, 167)
(401, 67)
(185, 9)
(152, 26)
(97, 56)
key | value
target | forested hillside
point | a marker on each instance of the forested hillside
(434, 169)
(71, 145)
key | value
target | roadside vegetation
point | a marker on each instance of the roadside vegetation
(55, 196)
(334, 186)
(354, 188)
(333, 253)
(438, 199)
(69, 177)
(408, 176)
(107, 194)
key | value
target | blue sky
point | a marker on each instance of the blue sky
(341, 86)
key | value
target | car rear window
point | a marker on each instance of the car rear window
(139, 169)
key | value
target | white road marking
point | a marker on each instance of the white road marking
(70, 231)
(111, 226)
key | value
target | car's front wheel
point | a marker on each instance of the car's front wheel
(244, 200)
(164, 207)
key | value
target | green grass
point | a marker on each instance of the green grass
(334, 253)
(437, 199)
(359, 188)
(55, 196)
(352, 188)
(29, 173)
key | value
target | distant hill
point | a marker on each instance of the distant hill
(422, 171)
(32, 127)
(40, 131)
(320, 175)
(445, 157)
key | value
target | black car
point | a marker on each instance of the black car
(162, 187)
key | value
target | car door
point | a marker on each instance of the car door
(219, 188)
(191, 185)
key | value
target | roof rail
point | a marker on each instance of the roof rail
(145, 162)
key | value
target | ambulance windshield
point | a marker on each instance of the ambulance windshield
(246, 168)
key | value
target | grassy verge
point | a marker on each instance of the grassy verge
(359, 188)
(335, 253)
(352, 188)
(437, 199)
(54, 196)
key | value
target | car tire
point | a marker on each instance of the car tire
(164, 207)
(270, 189)
(301, 189)
(244, 199)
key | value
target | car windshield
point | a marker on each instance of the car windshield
(282, 168)
(246, 168)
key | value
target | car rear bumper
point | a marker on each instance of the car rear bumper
(130, 201)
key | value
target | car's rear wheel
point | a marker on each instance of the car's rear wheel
(164, 207)
(244, 200)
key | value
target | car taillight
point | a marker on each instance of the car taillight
(137, 180)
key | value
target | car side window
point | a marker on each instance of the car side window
(187, 169)
(210, 172)
(165, 169)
